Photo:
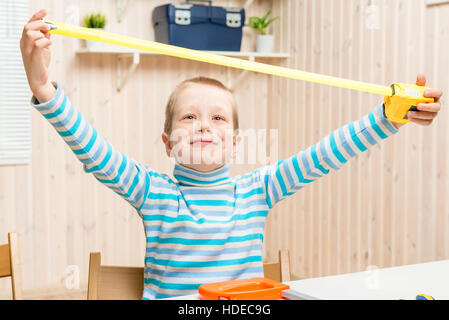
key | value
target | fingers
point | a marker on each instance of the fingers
(33, 29)
(32, 36)
(421, 122)
(38, 15)
(421, 80)
(33, 32)
(28, 41)
(427, 111)
(423, 115)
(433, 93)
(36, 26)
(42, 43)
(429, 107)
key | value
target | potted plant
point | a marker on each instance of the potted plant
(95, 21)
(264, 41)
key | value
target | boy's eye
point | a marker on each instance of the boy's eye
(189, 117)
(217, 118)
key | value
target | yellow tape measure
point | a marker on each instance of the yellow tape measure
(399, 98)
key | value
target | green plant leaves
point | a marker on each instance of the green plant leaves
(266, 16)
(259, 23)
(95, 20)
(271, 20)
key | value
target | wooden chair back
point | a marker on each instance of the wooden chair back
(10, 265)
(113, 282)
(280, 270)
(126, 283)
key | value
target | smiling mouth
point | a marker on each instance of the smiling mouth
(202, 142)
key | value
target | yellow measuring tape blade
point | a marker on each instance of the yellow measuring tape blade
(204, 56)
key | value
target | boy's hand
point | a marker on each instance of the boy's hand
(34, 46)
(427, 111)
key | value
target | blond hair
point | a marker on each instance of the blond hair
(170, 108)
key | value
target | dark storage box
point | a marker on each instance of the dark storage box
(199, 27)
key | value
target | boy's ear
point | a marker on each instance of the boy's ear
(166, 141)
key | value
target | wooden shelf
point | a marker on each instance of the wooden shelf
(249, 55)
(123, 52)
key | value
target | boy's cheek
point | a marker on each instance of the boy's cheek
(230, 148)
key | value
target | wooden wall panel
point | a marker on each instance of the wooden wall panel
(388, 207)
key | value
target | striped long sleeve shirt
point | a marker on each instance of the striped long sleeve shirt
(205, 227)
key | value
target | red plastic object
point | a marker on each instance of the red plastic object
(251, 289)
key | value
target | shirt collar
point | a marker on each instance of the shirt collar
(190, 177)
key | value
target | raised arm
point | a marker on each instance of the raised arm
(331, 153)
(123, 175)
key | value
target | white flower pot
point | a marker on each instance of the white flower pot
(95, 45)
(265, 43)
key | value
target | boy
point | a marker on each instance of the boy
(206, 226)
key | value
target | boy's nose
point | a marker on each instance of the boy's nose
(202, 126)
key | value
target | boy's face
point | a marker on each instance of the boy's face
(202, 136)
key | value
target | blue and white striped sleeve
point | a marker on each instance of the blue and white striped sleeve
(123, 175)
(287, 176)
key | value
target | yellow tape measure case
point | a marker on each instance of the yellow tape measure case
(405, 98)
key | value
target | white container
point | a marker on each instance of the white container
(265, 43)
(95, 45)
